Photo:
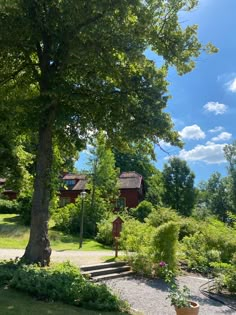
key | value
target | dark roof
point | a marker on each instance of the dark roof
(130, 180)
(80, 185)
(74, 176)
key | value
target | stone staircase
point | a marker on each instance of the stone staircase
(106, 271)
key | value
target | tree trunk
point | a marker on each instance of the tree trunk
(38, 249)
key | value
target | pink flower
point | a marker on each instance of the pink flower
(162, 264)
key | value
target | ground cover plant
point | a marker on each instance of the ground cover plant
(60, 282)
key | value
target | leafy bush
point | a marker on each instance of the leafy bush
(215, 242)
(188, 226)
(8, 206)
(146, 246)
(104, 235)
(64, 282)
(7, 270)
(142, 210)
(225, 276)
(165, 244)
(136, 236)
(67, 219)
(162, 215)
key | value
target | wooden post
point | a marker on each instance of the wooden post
(116, 229)
(116, 247)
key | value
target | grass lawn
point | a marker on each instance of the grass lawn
(17, 303)
(15, 235)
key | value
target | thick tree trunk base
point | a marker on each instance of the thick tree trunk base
(38, 249)
(38, 252)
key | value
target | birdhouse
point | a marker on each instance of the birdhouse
(117, 227)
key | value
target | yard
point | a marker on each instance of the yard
(16, 303)
(15, 235)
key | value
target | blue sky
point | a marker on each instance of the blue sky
(203, 104)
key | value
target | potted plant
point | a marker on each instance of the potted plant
(179, 297)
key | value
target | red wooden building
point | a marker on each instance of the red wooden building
(10, 194)
(131, 186)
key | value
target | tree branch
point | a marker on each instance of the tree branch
(13, 75)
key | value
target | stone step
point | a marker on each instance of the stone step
(112, 276)
(112, 270)
(102, 266)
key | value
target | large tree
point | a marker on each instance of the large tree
(138, 157)
(69, 67)
(178, 182)
(217, 197)
(104, 177)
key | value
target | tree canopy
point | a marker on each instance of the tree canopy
(70, 67)
(178, 186)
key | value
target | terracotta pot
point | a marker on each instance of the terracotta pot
(193, 310)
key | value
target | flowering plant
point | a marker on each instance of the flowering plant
(179, 297)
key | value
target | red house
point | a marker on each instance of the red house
(131, 186)
(10, 194)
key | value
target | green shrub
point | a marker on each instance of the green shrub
(64, 282)
(7, 270)
(136, 236)
(165, 244)
(8, 206)
(67, 219)
(220, 237)
(142, 210)
(188, 226)
(225, 276)
(104, 235)
(146, 246)
(162, 215)
(215, 242)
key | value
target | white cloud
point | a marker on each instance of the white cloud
(223, 136)
(215, 107)
(216, 129)
(192, 132)
(232, 85)
(210, 153)
(164, 144)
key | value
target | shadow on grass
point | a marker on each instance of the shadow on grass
(15, 219)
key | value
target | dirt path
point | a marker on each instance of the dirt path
(77, 257)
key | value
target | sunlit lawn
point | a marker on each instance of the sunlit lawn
(15, 235)
(17, 303)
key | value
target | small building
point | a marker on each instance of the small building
(131, 186)
(10, 194)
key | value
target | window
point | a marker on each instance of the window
(64, 201)
(70, 182)
(121, 203)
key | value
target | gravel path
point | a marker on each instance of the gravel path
(79, 258)
(149, 296)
